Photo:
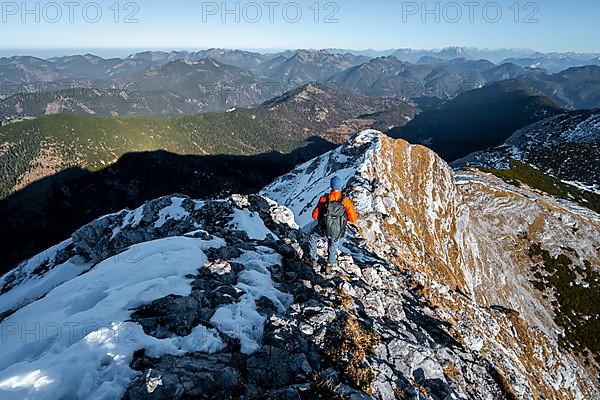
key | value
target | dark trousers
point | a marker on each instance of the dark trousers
(332, 251)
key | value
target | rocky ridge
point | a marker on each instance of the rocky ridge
(239, 308)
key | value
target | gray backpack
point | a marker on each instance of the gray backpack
(333, 220)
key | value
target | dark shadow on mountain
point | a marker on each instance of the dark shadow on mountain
(49, 210)
(477, 119)
(427, 103)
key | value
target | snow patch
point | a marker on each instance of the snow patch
(31, 286)
(175, 212)
(251, 223)
(76, 342)
(133, 218)
(241, 320)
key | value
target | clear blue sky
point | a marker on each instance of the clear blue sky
(380, 24)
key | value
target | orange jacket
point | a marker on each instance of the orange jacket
(336, 195)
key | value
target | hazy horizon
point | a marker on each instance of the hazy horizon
(109, 52)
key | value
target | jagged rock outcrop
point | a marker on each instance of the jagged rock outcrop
(470, 238)
(225, 298)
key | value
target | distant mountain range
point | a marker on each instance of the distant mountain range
(553, 61)
(190, 87)
(577, 87)
(181, 81)
(306, 66)
(388, 76)
(25, 73)
(413, 55)
(157, 83)
(574, 88)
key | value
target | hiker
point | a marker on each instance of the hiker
(333, 212)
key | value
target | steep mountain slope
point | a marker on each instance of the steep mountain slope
(342, 110)
(220, 298)
(480, 240)
(41, 147)
(565, 146)
(477, 119)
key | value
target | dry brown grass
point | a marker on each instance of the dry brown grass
(324, 388)
(444, 268)
(423, 391)
(451, 370)
(350, 348)
(432, 298)
(45, 164)
(359, 340)
(529, 340)
(344, 300)
(401, 394)
(537, 226)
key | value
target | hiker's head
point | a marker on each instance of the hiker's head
(336, 183)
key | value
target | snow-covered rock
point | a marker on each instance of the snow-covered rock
(224, 298)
